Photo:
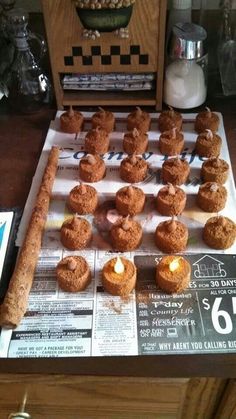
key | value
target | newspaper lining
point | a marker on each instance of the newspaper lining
(93, 323)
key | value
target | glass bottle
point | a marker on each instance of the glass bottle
(6, 47)
(227, 53)
(29, 88)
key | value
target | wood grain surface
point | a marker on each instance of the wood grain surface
(64, 30)
(227, 406)
(146, 29)
(202, 398)
(21, 141)
(70, 397)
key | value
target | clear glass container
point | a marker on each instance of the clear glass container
(227, 52)
(185, 84)
(6, 47)
(29, 88)
(180, 11)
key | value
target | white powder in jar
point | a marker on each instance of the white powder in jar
(184, 85)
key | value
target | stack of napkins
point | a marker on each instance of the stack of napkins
(109, 81)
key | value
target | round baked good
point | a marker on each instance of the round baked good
(215, 170)
(83, 199)
(135, 142)
(76, 233)
(138, 119)
(103, 119)
(171, 143)
(126, 235)
(175, 171)
(171, 236)
(208, 144)
(130, 200)
(71, 121)
(219, 232)
(211, 197)
(173, 280)
(207, 120)
(119, 283)
(133, 169)
(170, 200)
(73, 274)
(170, 119)
(92, 168)
(97, 141)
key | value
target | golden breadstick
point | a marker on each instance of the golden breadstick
(16, 300)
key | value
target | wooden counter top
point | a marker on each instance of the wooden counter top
(21, 141)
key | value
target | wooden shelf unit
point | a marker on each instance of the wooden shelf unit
(142, 52)
(109, 98)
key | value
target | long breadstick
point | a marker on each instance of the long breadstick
(16, 300)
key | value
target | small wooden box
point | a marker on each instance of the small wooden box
(142, 52)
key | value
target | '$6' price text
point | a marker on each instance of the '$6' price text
(221, 319)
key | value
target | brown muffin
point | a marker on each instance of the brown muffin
(170, 200)
(176, 280)
(103, 119)
(170, 119)
(73, 274)
(211, 197)
(76, 233)
(215, 170)
(171, 236)
(119, 283)
(71, 121)
(130, 200)
(135, 142)
(175, 171)
(133, 169)
(171, 142)
(138, 119)
(97, 141)
(219, 232)
(208, 144)
(83, 199)
(92, 168)
(126, 235)
(207, 120)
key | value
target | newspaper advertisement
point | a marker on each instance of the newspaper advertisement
(201, 319)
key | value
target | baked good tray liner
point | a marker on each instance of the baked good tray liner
(200, 319)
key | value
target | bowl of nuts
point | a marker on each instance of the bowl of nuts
(104, 15)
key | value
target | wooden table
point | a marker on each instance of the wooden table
(100, 391)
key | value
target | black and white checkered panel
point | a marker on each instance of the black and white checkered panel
(106, 59)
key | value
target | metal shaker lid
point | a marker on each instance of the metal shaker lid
(188, 41)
